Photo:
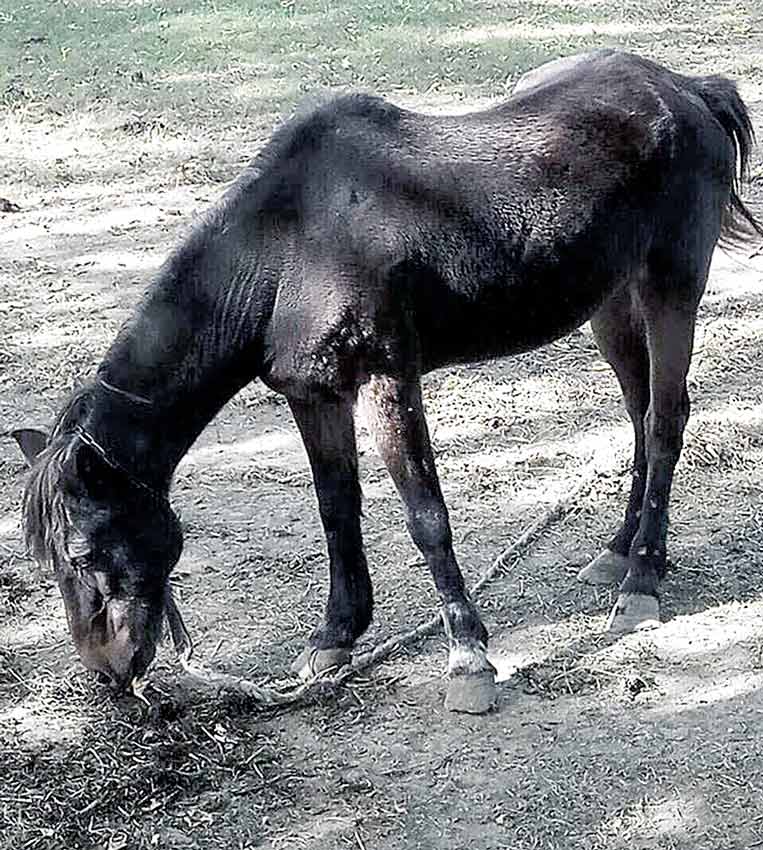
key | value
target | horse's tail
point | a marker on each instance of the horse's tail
(723, 100)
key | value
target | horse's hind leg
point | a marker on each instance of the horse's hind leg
(669, 317)
(328, 432)
(621, 336)
(396, 418)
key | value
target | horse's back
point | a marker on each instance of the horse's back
(580, 127)
(496, 231)
(558, 69)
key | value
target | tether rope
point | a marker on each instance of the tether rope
(286, 693)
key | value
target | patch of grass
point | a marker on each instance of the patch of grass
(209, 57)
(14, 590)
(94, 89)
(126, 779)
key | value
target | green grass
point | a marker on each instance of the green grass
(264, 55)
(172, 83)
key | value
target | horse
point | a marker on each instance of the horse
(364, 246)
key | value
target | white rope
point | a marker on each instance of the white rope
(286, 693)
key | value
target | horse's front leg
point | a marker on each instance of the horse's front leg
(328, 432)
(395, 416)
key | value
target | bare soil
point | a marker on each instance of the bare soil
(649, 741)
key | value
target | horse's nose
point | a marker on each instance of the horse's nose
(120, 685)
(107, 677)
(114, 661)
(122, 667)
(119, 677)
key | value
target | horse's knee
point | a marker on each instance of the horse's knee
(664, 434)
(429, 527)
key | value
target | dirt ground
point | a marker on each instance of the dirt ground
(649, 741)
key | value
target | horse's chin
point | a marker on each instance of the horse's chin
(106, 645)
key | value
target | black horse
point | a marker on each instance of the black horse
(365, 246)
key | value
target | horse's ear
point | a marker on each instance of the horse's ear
(31, 442)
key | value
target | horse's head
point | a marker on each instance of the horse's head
(112, 544)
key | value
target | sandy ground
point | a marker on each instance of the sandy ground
(650, 741)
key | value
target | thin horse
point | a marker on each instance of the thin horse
(365, 246)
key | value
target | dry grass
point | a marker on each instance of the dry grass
(128, 771)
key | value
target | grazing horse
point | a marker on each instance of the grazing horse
(365, 246)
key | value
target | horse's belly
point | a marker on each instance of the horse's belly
(461, 331)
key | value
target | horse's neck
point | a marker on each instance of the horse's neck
(193, 342)
(137, 439)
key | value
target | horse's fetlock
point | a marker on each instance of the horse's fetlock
(463, 624)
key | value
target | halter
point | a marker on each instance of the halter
(90, 441)
(138, 399)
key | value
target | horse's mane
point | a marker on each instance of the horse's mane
(46, 523)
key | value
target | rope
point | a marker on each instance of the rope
(286, 693)
(89, 440)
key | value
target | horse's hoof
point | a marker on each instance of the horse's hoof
(634, 612)
(606, 568)
(473, 693)
(312, 661)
